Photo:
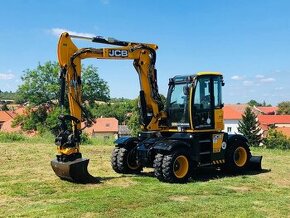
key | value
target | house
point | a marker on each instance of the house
(232, 115)
(104, 128)
(7, 127)
(284, 130)
(280, 122)
(124, 131)
(265, 110)
(6, 119)
(5, 116)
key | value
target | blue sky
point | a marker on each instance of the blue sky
(247, 40)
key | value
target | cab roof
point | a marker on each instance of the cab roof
(209, 73)
(188, 78)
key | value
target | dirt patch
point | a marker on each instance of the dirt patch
(90, 214)
(179, 198)
(239, 189)
(121, 182)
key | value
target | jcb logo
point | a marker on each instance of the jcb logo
(118, 53)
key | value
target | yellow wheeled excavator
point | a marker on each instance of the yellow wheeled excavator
(175, 140)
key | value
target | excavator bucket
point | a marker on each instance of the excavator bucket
(74, 171)
(255, 163)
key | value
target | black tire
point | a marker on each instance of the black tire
(126, 161)
(157, 164)
(176, 167)
(237, 157)
(114, 163)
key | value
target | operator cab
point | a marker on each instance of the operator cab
(194, 102)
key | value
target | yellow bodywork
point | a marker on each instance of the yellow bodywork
(219, 119)
(70, 56)
(133, 51)
(217, 140)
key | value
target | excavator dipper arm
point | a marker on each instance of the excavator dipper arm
(69, 163)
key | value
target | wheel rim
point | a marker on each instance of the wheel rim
(180, 166)
(240, 156)
(131, 160)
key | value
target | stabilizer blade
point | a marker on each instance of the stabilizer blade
(255, 163)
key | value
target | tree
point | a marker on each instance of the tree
(249, 127)
(254, 103)
(36, 118)
(134, 121)
(41, 85)
(119, 110)
(284, 108)
(4, 107)
(94, 88)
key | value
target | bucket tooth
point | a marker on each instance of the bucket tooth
(74, 171)
(255, 163)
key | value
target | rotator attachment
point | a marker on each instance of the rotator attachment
(69, 164)
(255, 163)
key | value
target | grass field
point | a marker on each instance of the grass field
(29, 188)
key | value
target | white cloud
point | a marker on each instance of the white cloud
(248, 83)
(6, 76)
(259, 76)
(58, 31)
(279, 88)
(267, 80)
(236, 77)
(105, 2)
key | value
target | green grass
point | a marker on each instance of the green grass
(29, 188)
(48, 137)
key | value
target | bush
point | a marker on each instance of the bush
(11, 137)
(88, 140)
(277, 140)
(85, 139)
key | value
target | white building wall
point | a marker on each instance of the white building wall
(231, 126)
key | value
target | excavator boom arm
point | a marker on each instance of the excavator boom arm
(69, 163)
(144, 57)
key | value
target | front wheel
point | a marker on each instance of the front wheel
(127, 161)
(237, 157)
(176, 167)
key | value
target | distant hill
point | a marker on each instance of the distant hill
(7, 95)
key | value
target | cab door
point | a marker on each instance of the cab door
(203, 104)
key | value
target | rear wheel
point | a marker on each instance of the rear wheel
(127, 161)
(157, 164)
(114, 163)
(176, 167)
(237, 156)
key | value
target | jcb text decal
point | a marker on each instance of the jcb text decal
(118, 53)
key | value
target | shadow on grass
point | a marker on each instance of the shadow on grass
(199, 175)
(212, 173)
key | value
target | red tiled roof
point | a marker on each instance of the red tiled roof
(20, 111)
(268, 110)
(104, 125)
(233, 112)
(6, 115)
(274, 119)
(6, 127)
(264, 127)
(284, 130)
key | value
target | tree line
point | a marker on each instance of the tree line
(40, 90)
